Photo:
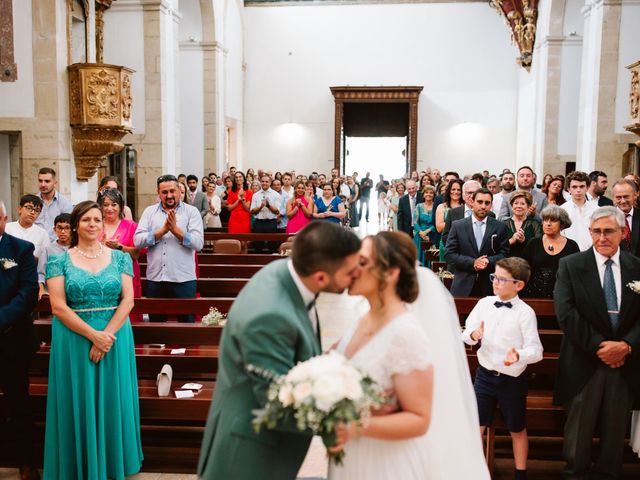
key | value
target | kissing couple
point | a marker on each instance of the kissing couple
(408, 342)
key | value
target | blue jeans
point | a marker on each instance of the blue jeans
(171, 290)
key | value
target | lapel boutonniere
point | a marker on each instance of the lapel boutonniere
(7, 263)
(634, 286)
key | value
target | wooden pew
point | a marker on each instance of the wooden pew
(214, 287)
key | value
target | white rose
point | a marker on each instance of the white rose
(327, 391)
(301, 392)
(352, 388)
(285, 395)
(298, 373)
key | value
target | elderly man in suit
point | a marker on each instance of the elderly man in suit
(18, 296)
(474, 246)
(526, 180)
(625, 196)
(272, 334)
(407, 208)
(195, 197)
(599, 366)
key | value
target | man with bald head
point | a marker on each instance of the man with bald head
(625, 196)
(18, 297)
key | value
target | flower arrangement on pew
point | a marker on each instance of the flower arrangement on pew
(444, 274)
(214, 318)
(319, 394)
(433, 250)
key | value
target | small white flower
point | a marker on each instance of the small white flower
(285, 395)
(353, 389)
(327, 391)
(634, 286)
(301, 392)
(7, 263)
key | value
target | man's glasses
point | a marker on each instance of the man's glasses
(607, 232)
(494, 278)
(63, 229)
(32, 209)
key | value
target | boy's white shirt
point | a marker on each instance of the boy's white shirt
(504, 328)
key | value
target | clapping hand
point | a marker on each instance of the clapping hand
(113, 243)
(171, 220)
(481, 263)
(532, 209)
(478, 333)
(512, 357)
(519, 235)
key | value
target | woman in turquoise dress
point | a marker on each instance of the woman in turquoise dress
(93, 417)
(425, 227)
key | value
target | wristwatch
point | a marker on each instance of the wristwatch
(120, 247)
(630, 349)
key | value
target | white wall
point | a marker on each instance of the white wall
(460, 53)
(190, 85)
(629, 53)
(234, 85)
(124, 45)
(17, 98)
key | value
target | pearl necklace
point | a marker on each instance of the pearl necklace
(90, 257)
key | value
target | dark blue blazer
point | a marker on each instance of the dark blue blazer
(18, 297)
(462, 251)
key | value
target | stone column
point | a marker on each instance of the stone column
(157, 147)
(220, 54)
(598, 145)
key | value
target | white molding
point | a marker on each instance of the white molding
(203, 46)
(559, 41)
(317, 3)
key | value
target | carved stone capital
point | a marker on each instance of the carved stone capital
(100, 104)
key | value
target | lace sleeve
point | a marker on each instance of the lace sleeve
(409, 350)
(125, 265)
(55, 265)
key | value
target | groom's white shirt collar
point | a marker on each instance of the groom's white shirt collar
(307, 295)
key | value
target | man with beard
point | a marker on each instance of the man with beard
(171, 231)
(526, 181)
(53, 204)
(597, 187)
(272, 335)
(196, 197)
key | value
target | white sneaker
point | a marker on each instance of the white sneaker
(164, 380)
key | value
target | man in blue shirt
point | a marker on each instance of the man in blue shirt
(172, 231)
(53, 204)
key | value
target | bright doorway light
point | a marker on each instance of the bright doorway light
(377, 155)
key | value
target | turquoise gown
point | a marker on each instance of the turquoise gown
(424, 219)
(93, 413)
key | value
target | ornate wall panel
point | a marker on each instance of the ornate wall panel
(521, 17)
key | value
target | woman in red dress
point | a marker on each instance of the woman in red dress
(239, 203)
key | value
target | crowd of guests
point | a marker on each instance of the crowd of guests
(86, 259)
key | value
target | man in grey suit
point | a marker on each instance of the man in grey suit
(598, 379)
(196, 197)
(474, 246)
(526, 181)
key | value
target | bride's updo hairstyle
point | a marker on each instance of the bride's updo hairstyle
(396, 250)
(78, 212)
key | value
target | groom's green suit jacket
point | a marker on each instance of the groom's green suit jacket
(268, 327)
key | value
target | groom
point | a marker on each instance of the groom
(272, 325)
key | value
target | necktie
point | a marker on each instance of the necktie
(311, 305)
(610, 295)
(478, 233)
(627, 232)
(467, 213)
(193, 198)
(503, 304)
(412, 201)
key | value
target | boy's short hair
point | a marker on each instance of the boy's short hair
(517, 267)
(62, 218)
(32, 199)
(577, 177)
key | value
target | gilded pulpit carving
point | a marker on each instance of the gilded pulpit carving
(634, 100)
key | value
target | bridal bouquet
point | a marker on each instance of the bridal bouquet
(320, 394)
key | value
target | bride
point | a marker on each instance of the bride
(390, 346)
(451, 448)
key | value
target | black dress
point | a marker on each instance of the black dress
(544, 267)
(532, 229)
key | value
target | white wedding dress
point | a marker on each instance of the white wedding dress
(399, 347)
(451, 448)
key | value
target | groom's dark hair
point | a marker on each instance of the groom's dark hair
(322, 246)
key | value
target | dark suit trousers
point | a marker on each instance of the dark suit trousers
(14, 383)
(171, 290)
(606, 399)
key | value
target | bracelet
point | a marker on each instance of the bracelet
(120, 247)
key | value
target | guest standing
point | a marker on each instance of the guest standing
(53, 204)
(544, 253)
(554, 191)
(25, 227)
(196, 197)
(394, 205)
(172, 231)
(521, 227)
(598, 373)
(62, 229)
(329, 207)
(93, 419)
(239, 204)
(212, 219)
(407, 208)
(299, 210)
(18, 343)
(265, 208)
(425, 228)
(224, 203)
